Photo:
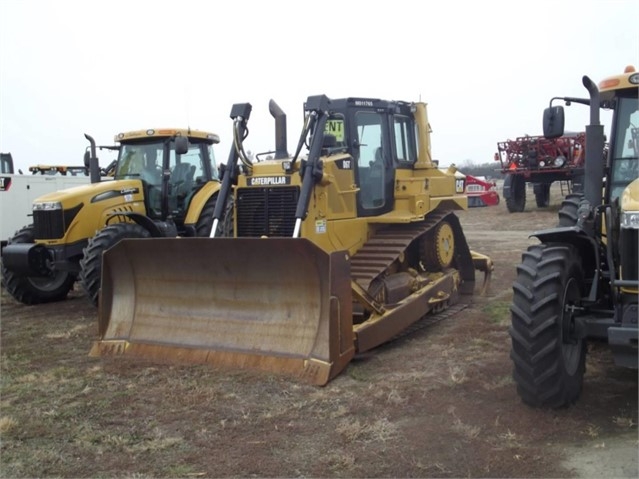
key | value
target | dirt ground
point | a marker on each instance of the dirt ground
(439, 402)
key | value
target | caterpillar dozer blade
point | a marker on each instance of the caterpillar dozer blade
(279, 304)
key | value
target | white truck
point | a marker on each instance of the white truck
(17, 191)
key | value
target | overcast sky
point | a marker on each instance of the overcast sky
(487, 69)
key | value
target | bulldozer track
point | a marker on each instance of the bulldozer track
(386, 245)
(427, 320)
(431, 318)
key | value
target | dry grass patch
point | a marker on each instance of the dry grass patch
(468, 431)
(338, 461)
(509, 440)
(498, 382)
(7, 424)
(74, 331)
(592, 431)
(625, 422)
(457, 375)
(380, 430)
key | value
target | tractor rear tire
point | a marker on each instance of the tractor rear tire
(91, 263)
(36, 289)
(568, 210)
(516, 201)
(205, 221)
(549, 359)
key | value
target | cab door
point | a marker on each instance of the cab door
(375, 172)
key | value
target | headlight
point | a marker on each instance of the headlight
(47, 206)
(542, 163)
(630, 219)
(560, 161)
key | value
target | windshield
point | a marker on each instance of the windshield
(625, 160)
(141, 160)
(144, 161)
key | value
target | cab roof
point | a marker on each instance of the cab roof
(628, 79)
(167, 133)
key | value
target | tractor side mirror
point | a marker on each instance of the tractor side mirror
(554, 122)
(181, 145)
(87, 159)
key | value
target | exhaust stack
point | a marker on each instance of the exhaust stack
(280, 130)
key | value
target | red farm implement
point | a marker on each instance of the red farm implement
(481, 192)
(540, 161)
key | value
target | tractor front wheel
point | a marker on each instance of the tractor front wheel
(36, 289)
(91, 263)
(548, 353)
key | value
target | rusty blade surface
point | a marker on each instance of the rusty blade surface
(281, 305)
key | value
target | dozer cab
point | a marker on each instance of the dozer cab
(164, 183)
(333, 253)
(580, 282)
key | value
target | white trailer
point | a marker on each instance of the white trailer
(17, 193)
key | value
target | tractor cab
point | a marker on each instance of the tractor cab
(170, 166)
(624, 157)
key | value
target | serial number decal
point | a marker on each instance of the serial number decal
(320, 226)
(269, 180)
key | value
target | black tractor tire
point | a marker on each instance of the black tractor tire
(549, 359)
(91, 262)
(205, 221)
(36, 289)
(516, 201)
(542, 195)
(568, 210)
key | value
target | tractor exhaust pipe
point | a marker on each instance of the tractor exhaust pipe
(593, 181)
(280, 130)
(91, 161)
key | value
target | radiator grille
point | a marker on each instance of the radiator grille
(266, 211)
(48, 224)
(53, 224)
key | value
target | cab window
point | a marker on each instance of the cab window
(405, 151)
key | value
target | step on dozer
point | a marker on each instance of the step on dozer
(332, 254)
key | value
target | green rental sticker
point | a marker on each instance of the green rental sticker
(335, 128)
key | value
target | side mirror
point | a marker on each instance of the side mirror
(87, 159)
(181, 145)
(553, 122)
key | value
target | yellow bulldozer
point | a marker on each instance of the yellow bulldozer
(333, 253)
(163, 183)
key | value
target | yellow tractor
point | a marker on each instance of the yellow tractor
(580, 282)
(333, 253)
(164, 183)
